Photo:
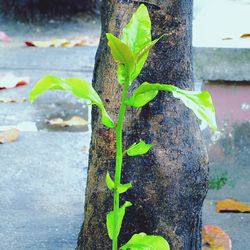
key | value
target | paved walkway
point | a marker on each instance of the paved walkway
(43, 174)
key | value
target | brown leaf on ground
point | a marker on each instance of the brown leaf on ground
(231, 205)
(214, 238)
(4, 37)
(74, 121)
(9, 80)
(246, 35)
(9, 135)
(82, 41)
(12, 100)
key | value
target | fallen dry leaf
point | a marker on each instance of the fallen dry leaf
(9, 136)
(46, 44)
(231, 205)
(8, 100)
(4, 37)
(83, 41)
(246, 35)
(11, 81)
(214, 238)
(74, 121)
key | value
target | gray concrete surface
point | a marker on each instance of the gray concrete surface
(42, 188)
(225, 64)
(43, 173)
(48, 59)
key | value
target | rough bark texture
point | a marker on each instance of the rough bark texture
(169, 183)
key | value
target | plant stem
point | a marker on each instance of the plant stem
(118, 167)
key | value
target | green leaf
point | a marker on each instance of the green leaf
(147, 48)
(77, 87)
(121, 73)
(109, 182)
(139, 148)
(141, 57)
(122, 188)
(200, 102)
(137, 33)
(146, 242)
(140, 99)
(119, 50)
(123, 55)
(110, 220)
(131, 52)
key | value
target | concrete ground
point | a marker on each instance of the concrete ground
(43, 174)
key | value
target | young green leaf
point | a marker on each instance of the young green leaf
(109, 182)
(123, 55)
(77, 87)
(200, 102)
(146, 48)
(131, 52)
(137, 33)
(110, 220)
(146, 242)
(121, 73)
(122, 188)
(140, 99)
(147, 92)
(141, 57)
(139, 148)
(119, 50)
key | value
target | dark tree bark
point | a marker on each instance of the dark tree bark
(169, 183)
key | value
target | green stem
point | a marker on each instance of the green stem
(118, 167)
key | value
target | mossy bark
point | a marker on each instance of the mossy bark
(169, 183)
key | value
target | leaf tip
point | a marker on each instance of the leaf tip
(109, 182)
(128, 204)
(32, 98)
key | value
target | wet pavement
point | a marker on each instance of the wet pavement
(41, 189)
(43, 173)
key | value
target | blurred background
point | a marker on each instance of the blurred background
(43, 172)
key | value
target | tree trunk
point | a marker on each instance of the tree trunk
(169, 183)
